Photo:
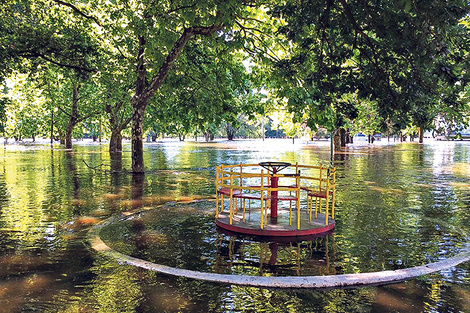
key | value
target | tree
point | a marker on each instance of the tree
(4, 103)
(368, 120)
(143, 37)
(405, 55)
(208, 86)
(24, 108)
(75, 98)
(37, 32)
(40, 37)
(153, 37)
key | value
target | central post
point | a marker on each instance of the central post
(274, 193)
(274, 168)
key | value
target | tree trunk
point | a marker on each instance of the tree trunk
(144, 93)
(342, 133)
(73, 120)
(115, 142)
(421, 134)
(68, 137)
(230, 131)
(116, 165)
(117, 125)
(139, 102)
(137, 138)
(337, 140)
(262, 129)
(208, 136)
(52, 127)
(138, 180)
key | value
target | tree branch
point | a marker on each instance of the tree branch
(179, 45)
(65, 112)
(76, 10)
(180, 8)
(357, 29)
(81, 119)
(75, 67)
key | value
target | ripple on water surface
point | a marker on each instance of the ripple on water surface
(185, 236)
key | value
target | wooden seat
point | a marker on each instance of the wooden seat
(318, 193)
(226, 191)
(325, 191)
(283, 198)
(251, 196)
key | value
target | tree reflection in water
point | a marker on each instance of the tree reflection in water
(417, 196)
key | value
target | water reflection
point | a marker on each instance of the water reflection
(185, 236)
(257, 256)
(418, 198)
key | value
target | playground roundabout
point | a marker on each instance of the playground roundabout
(103, 246)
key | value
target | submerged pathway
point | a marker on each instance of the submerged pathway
(327, 281)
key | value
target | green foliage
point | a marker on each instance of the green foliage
(408, 56)
(368, 120)
(35, 33)
(208, 86)
(4, 103)
(23, 103)
(330, 64)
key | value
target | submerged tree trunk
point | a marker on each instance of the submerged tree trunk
(115, 142)
(208, 136)
(336, 140)
(117, 125)
(116, 164)
(68, 137)
(73, 116)
(421, 134)
(230, 131)
(52, 127)
(137, 139)
(342, 133)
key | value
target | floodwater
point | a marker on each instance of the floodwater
(398, 205)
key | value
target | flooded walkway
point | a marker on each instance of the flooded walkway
(417, 197)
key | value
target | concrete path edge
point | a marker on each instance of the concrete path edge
(296, 282)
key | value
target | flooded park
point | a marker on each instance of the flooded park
(398, 205)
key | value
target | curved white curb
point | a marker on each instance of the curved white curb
(329, 281)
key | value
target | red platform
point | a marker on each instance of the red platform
(252, 226)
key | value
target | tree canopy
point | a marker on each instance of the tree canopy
(409, 57)
(184, 66)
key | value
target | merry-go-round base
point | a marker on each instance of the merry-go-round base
(275, 228)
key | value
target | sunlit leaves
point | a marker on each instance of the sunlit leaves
(405, 55)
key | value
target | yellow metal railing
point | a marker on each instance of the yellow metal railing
(242, 181)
